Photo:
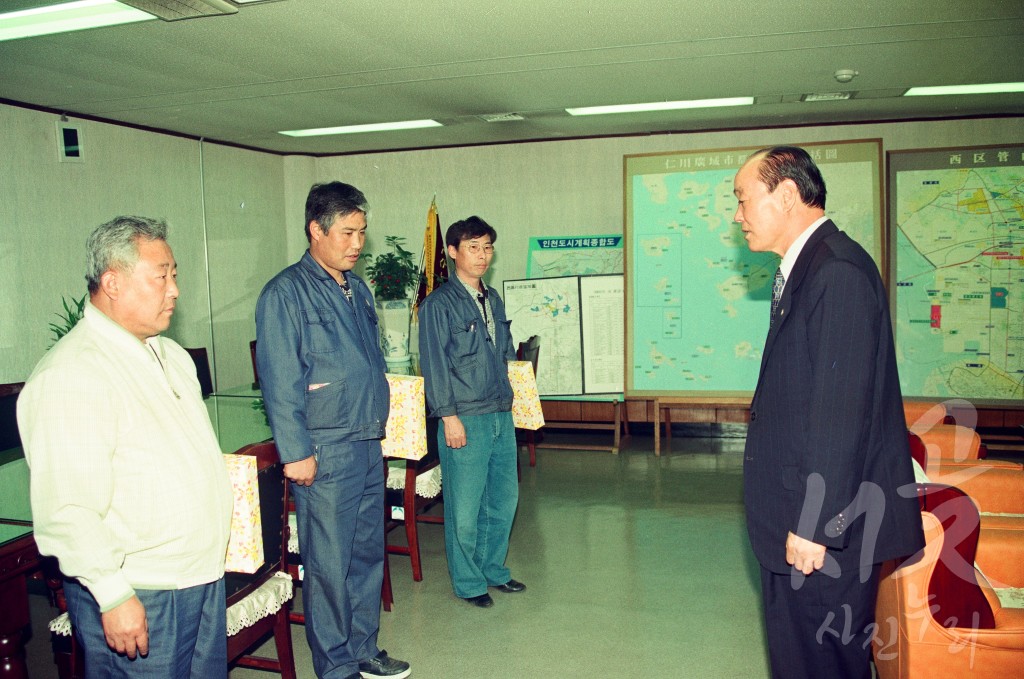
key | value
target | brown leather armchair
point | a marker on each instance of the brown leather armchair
(995, 486)
(940, 615)
(924, 414)
(951, 442)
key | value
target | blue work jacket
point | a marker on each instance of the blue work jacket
(319, 361)
(464, 371)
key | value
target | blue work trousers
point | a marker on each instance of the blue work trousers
(481, 491)
(187, 634)
(341, 540)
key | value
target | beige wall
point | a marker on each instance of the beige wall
(48, 208)
(242, 210)
(574, 187)
(245, 218)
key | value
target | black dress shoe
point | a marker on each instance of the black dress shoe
(511, 587)
(482, 601)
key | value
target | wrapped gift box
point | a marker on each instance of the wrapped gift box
(406, 433)
(526, 410)
(245, 546)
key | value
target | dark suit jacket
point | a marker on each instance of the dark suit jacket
(826, 450)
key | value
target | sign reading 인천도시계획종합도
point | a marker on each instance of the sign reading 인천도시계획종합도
(552, 256)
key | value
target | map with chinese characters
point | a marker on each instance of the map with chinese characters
(959, 275)
(698, 302)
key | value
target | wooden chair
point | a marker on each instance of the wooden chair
(273, 489)
(255, 371)
(414, 506)
(9, 437)
(202, 360)
(295, 571)
(265, 583)
(529, 351)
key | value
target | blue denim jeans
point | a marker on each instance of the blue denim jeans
(187, 634)
(341, 541)
(481, 491)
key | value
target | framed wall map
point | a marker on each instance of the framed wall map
(957, 229)
(579, 322)
(697, 300)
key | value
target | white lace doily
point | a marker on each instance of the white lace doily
(265, 601)
(61, 625)
(428, 484)
(1011, 597)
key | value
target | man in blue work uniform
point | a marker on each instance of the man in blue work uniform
(322, 374)
(465, 346)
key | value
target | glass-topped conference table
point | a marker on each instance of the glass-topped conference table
(18, 558)
(238, 418)
(236, 422)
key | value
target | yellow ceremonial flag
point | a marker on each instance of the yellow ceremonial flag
(433, 262)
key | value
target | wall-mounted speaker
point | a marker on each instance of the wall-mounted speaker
(69, 142)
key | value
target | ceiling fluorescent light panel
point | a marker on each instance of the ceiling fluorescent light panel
(67, 17)
(986, 88)
(660, 106)
(356, 129)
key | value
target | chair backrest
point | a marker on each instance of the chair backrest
(951, 442)
(426, 463)
(273, 490)
(954, 593)
(255, 371)
(529, 351)
(918, 450)
(202, 360)
(924, 414)
(9, 436)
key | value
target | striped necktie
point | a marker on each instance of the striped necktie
(780, 282)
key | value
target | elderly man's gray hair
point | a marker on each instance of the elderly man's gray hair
(114, 246)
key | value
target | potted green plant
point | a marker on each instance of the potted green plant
(73, 313)
(392, 274)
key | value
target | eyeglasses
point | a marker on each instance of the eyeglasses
(476, 248)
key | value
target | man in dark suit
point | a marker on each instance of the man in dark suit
(828, 483)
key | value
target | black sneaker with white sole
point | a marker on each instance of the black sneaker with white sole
(384, 666)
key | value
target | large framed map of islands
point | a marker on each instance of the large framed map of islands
(697, 300)
(957, 225)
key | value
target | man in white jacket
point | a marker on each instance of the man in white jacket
(129, 490)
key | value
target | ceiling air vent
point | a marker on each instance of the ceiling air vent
(827, 96)
(501, 117)
(173, 10)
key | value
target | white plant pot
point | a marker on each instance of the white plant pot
(394, 316)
